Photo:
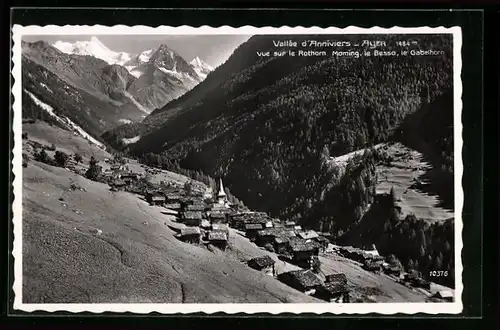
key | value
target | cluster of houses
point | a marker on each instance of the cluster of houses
(205, 219)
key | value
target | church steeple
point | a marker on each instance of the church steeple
(222, 193)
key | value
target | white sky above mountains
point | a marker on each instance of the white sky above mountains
(212, 49)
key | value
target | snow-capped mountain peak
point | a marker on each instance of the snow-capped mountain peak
(200, 67)
(93, 47)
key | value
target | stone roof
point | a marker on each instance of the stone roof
(335, 288)
(158, 197)
(253, 226)
(220, 227)
(301, 245)
(217, 236)
(305, 278)
(310, 234)
(192, 215)
(336, 278)
(262, 262)
(190, 231)
(195, 207)
(217, 215)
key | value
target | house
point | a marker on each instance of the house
(196, 205)
(264, 264)
(297, 228)
(251, 230)
(281, 244)
(446, 295)
(290, 224)
(302, 280)
(191, 235)
(323, 242)
(335, 289)
(155, 199)
(173, 198)
(218, 239)
(192, 218)
(303, 251)
(220, 227)
(217, 217)
(269, 224)
(267, 236)
(310, 234)
(173, 206)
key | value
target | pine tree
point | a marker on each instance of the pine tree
(94, 171)
(61, 158)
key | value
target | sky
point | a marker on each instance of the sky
(212, 49)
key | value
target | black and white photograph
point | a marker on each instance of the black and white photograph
(181, 170)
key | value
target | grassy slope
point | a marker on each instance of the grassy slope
(135, 259)
(401, 175)
(66, 141)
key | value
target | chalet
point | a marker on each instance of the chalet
(264, 264)
(297, 228)
(323, 242)
(302, 280)
(446, 295)
(303, 251)
(281, 244)
(191, 218)
(335, 289)
(197, 207)
(220, 227)
(173, 198)
(267, 236)
(155, 199)
(217, 217)
(290, 224)
(218, 239)
(269, 224)
(310, 234)
(173, 206)
(251, 230)
(191, 235)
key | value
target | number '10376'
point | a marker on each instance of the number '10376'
(438, 273)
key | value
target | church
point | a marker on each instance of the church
(221, 197)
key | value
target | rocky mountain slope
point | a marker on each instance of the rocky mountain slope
(85, 82)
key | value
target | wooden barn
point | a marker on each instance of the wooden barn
(191, 218)
(191, 235)
(264, 264)
(218, 239)
(302, 280)
(251, 230)
(335, 289)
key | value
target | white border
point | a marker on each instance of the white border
(319, 308)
